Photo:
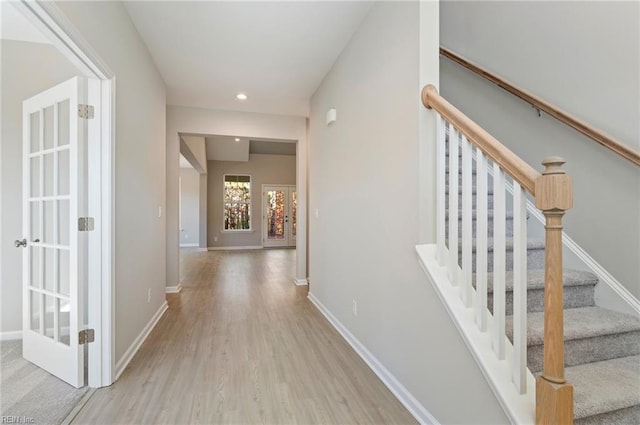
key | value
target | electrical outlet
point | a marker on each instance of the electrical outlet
(355, 307)
(159, 212)
(215, 239)
(149, 296)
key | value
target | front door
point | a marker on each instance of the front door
(279, 216)
(54, 250)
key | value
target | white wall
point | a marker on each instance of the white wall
(183, 120)
(22, 76)
(263, 169)
(189, 207)
(585, 58)
(365, 183)
(140, 235)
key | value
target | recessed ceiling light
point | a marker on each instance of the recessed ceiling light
(241, 96)
(237, 139)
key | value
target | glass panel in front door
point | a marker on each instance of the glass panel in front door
(276, 215)
(294, 206)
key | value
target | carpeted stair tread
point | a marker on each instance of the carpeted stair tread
(535, 279)
(473, 190)
(532, 244)
(474, 213)
(605, 386)
(579, 323)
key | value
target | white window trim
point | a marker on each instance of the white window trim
(250, 229)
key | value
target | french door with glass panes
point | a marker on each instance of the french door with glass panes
(54, 250)
(279, 216)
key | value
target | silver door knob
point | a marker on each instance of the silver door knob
(21, 243)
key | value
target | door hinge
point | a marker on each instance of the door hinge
(85, 224)
(86, 336)
(85, 111)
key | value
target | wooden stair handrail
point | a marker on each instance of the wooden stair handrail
(517, 168)
(598, 136)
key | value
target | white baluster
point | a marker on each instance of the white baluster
(453, 205)
(481, 239)
(467, 212)
(440, 189)
(498, 261)
(519, 288)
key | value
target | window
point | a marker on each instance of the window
(237, 202)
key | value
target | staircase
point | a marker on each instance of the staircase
(602, 347)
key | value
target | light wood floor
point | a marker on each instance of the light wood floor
(241, 344)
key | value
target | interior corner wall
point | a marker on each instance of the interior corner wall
(189, 207)
(202, 211)
(572, 64)
(364, 185)
(263, 169)
(140, 101)
(185, 120)
(197, 148)
(22, 76)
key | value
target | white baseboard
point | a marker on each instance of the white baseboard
(233, 248)
(301, 282)
(10, 335)
(414, 407)
(137, 343)
(174, 289)
(189, 245)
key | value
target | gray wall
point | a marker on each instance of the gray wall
(140, 235)
(264, 169)
(584, 57)
(189, 207)
(364, 183)
(22, 76)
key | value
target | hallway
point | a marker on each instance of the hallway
(242, 344)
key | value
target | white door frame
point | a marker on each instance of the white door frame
(47, 17)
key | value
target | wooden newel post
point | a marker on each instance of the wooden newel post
(554, 396)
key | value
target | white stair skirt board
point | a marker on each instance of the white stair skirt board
(300, 282)
(631, 304)
(10, 335)
(233, 248)
(520, 409)
(137, 343)
(613, 295)
(189, 245)
(414, 407)
(174, 289)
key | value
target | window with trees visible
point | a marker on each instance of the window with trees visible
(237, 202)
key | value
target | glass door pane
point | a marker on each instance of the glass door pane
(294, 205)
(276, 214)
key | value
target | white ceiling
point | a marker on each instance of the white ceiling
(275, 52)
(14, 26)
(226, 148)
